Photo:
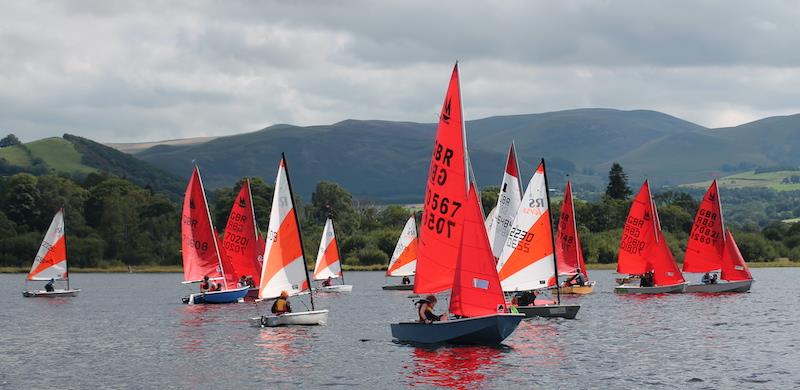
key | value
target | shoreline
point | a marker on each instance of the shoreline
(157, 269)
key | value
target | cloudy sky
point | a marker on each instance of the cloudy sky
(149, 70)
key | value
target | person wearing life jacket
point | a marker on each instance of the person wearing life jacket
(281, 305)
(328, 282)
(425, 310)
(242, 281)
(205, 286)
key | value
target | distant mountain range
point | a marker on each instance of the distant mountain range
(388, 161)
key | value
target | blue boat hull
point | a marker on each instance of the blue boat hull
(484, 330)
(215, 297)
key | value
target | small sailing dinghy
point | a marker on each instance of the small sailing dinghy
(711, 248)
(51, 262)
(644, 250)
(568, 249)
(284, 267)
(501, 218)
(453, 251)
(404, 258)
(200, 249)
(329, 261)
(528, 260)
(240, 245)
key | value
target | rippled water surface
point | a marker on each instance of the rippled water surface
(131, 331)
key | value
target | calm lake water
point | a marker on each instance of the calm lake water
(131, 331)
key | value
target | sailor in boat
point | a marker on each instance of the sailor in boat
(646, 280)
(425, 310)
(706, 278)
(328, 282)
(205, 286)
(525, 298)
(406, 280)
(576, 280)
(281, 305)
(243, 282)
(714, 279)
(49, 286)
(251, 282)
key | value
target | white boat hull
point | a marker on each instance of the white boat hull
(723, 287)
(635, 289)
(51, 294)
(317, 317)
(336, 288)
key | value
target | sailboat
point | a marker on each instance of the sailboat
(501, 218)
(528, 259)
(454, 252)
(644, 249)
(200, 248)
(284, 267)
(568, 248)
(240, 245)
(712, 248)
(404, 258)
(329, 261)
(50, 262)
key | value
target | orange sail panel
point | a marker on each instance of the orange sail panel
(526, 262)
(568, 245)
(733, 266)
(404, 258)
(445, 196)
(707, 238)
(328, 262)
(476, 288)
(198, 240)
(662, 263)
(638, 234)
(240, 244)
(284, 266)
(501, 218)
(51, 259)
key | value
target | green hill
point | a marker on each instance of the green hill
(77, 157)
(777, 180)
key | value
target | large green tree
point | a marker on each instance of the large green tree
(617, 183)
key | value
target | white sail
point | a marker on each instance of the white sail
(51, 260)
(508, 200)
(328, 264)
(284, 268)
(489, 223)
(404, 258)
(526, 262)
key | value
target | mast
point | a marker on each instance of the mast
(299, 234)
(575, 229)
(66, 258)
(213, 230)
(338, 252)
(552, 236)
(721, 219)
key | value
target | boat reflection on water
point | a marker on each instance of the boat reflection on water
(538, 339)
(280, 345)
(456, 367)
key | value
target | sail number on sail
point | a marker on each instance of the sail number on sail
(191, 242)
(630, 237)
(703, 229)
(440, 209)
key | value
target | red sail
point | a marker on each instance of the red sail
(240, 245)
(707, 238)
(662, 263)
(476, 286)
(445, 196)
(733, 266)
(568, 245)
(198, 241)
(637, 235)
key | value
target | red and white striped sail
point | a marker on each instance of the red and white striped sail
(476, 288)
(508, 200)
(284, 267)
(638, 234)
(51, 259)
(445, 197)
(199, 243)
(404, 258)
(706, 245)
(526, 262)
(568, 244)
(240, 244)
(734, 267)
(328, 262)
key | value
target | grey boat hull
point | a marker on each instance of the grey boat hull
(399, 287)
(483, 330)
(724, 287)
(550, 311)
(634, 289)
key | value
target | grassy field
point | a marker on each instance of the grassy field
(15, 155)
(771, 180)
(59, 154)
